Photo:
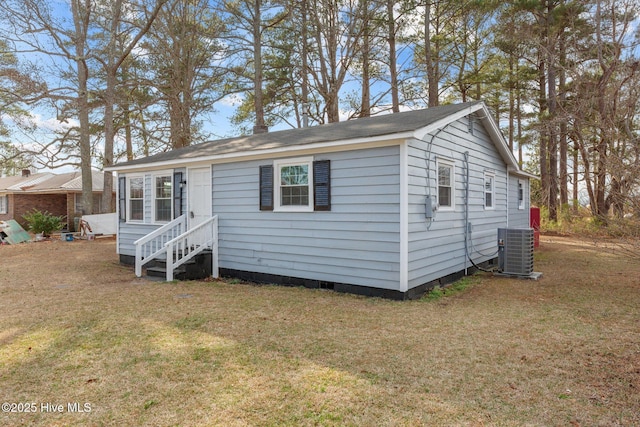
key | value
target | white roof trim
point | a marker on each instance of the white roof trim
(522, 174)
(422, 132)
(491, 126)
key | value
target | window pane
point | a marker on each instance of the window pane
(163, 187)
(295, 196)
(163, 210)
(137, 209)
(444, 175)
(488, 184)
(520, 192)
(444, 196)
(294, 175)
(136, 188)
(488, 191)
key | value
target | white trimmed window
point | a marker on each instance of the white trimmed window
(4, 204)
(135, 202)
(293, 185)
(489, 181)
(520, 194)
(162, 197)
(446, 184)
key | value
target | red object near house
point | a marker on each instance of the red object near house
(534, 222)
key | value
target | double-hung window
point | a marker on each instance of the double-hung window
(520, 194)
(446, 184)
(294, 185)
(135, 205)
(4, 204)
(162, 198)
(489, 180)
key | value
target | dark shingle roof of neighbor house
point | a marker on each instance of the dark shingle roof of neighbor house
(361, 128)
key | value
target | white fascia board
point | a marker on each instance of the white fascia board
(491, 126)
(522, 174)
(422, 132)
(498, 138)
(296, 150)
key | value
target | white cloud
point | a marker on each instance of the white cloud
(50, 124)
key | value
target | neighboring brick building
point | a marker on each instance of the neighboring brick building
(58, 194)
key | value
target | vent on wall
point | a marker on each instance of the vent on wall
(515, 251)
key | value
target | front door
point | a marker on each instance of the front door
(199, 196)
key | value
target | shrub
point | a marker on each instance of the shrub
(43, 222)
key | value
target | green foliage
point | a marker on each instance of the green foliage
(43, 222)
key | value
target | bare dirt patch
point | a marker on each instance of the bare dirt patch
(76, 327)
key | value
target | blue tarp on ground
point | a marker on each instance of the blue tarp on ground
(11, 232)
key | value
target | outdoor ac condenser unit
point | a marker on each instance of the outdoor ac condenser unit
(515, 251)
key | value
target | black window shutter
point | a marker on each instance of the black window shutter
(266, 188)
(177, 194)
(322, 185)
(122, 198)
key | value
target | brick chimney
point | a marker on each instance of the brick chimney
(26, 173)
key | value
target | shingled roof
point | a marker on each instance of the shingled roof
(388, 124)
(48, 182)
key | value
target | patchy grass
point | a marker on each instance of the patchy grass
(451, 289)
(76, 327)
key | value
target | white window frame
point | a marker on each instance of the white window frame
(128, 198)
(492, 190)
(4, 204)
(277, 190)
(156, 175)
(450, 164)
(521, 194)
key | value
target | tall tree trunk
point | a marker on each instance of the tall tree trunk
(552, 102)
(553, 145)
(393, 66)
(365, 107)
(564, 174)
(430, 61)
(576, 203)
(128, 136)
(109, 101)
(544, 171)
(81, 11)
(305, 66)
(512, 102)
(260, 126)
(519, 124)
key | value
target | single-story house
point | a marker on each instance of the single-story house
(386, 206)
(58, 194)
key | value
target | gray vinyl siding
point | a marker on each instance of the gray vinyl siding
(437, 249)
(357, 242)
(518, 218)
